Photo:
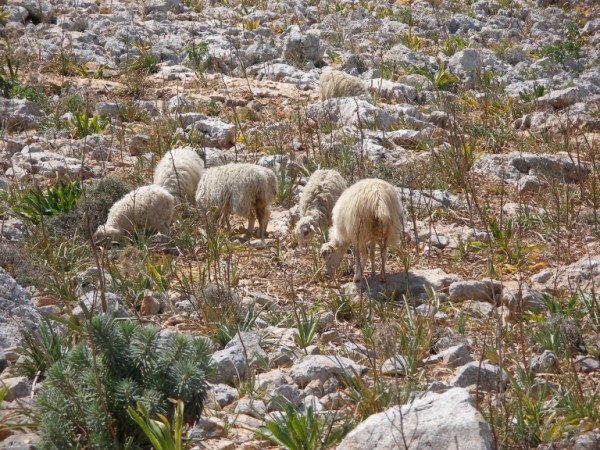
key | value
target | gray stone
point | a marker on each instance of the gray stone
(39, 11)
(299, 46)
(517, 297)
(314, 388)
(162, 6)
(3, 361)
(335, 400)
(456, 356)
(16, 311)
(357, 352)
(559, 99)
(281, 357)
(206, 428)
(396, 365)
(250, 407)
(19, 114)
(486, 291)
(51, 165)
(531, 184)
(238, 356)
(21, 441)
(93, 302)
(215, 132)
(222, 395)
(311, 401)
(547, 362)
(321, 367)
(18, 387)
(510, 168)
(429, 198)
(108, 109)
(351, 111)
(413, 285)
(229, 365)
(138, 144)
(581, 276)
(481, 310)
(586, 364)
(435, 421)
(330, 336)
(178, 103)
(271, 380)
(282, 396)
(152, 303)
(486, 377)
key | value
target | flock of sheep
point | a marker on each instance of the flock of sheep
(362, 215)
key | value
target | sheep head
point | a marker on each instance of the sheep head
(105, 234)
(331, 257)
(304, 231)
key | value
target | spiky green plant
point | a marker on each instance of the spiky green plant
(117, 364)
(308, 431)
(34, 204)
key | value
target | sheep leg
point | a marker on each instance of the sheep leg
(361, 255)
(372, 251)
(263, 215)
(383, 249)
(251, 220)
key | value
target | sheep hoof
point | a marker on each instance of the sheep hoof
(357, 279)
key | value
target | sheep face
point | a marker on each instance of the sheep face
(331, 257)
(304, 232)
(105, 234)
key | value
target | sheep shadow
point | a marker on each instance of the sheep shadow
(399, 287)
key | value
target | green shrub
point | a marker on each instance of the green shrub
(117, 364)
(34, 204)
(98, 199)
(84, 125)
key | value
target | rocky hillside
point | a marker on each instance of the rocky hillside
(485, 115)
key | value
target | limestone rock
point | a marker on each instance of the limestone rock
(434, 422)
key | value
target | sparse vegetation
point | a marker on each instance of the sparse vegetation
(495, 158)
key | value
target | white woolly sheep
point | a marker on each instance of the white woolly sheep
(179, 172)
(148, 207)
(318, 199)
(335, 84)
(367, 212)
(246, 190)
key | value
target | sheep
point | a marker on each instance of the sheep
(318, 199)
(246, 190)
(148, 207)
(179, 172)
(366, 212)
(335, 83)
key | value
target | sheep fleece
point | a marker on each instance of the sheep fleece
(179, 172)
(243, 189)
(146, 207)
(369, 209)
(340, 84)
(318, 199)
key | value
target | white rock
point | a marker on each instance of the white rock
(436, 421)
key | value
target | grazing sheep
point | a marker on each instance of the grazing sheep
(148, 207)
(179, 172)
(340, 84)
(367, 212)
(246, 190)
(318, 199)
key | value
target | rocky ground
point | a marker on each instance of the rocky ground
(485, 116)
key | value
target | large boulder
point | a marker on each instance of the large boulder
(17, 313)
(436, 421)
